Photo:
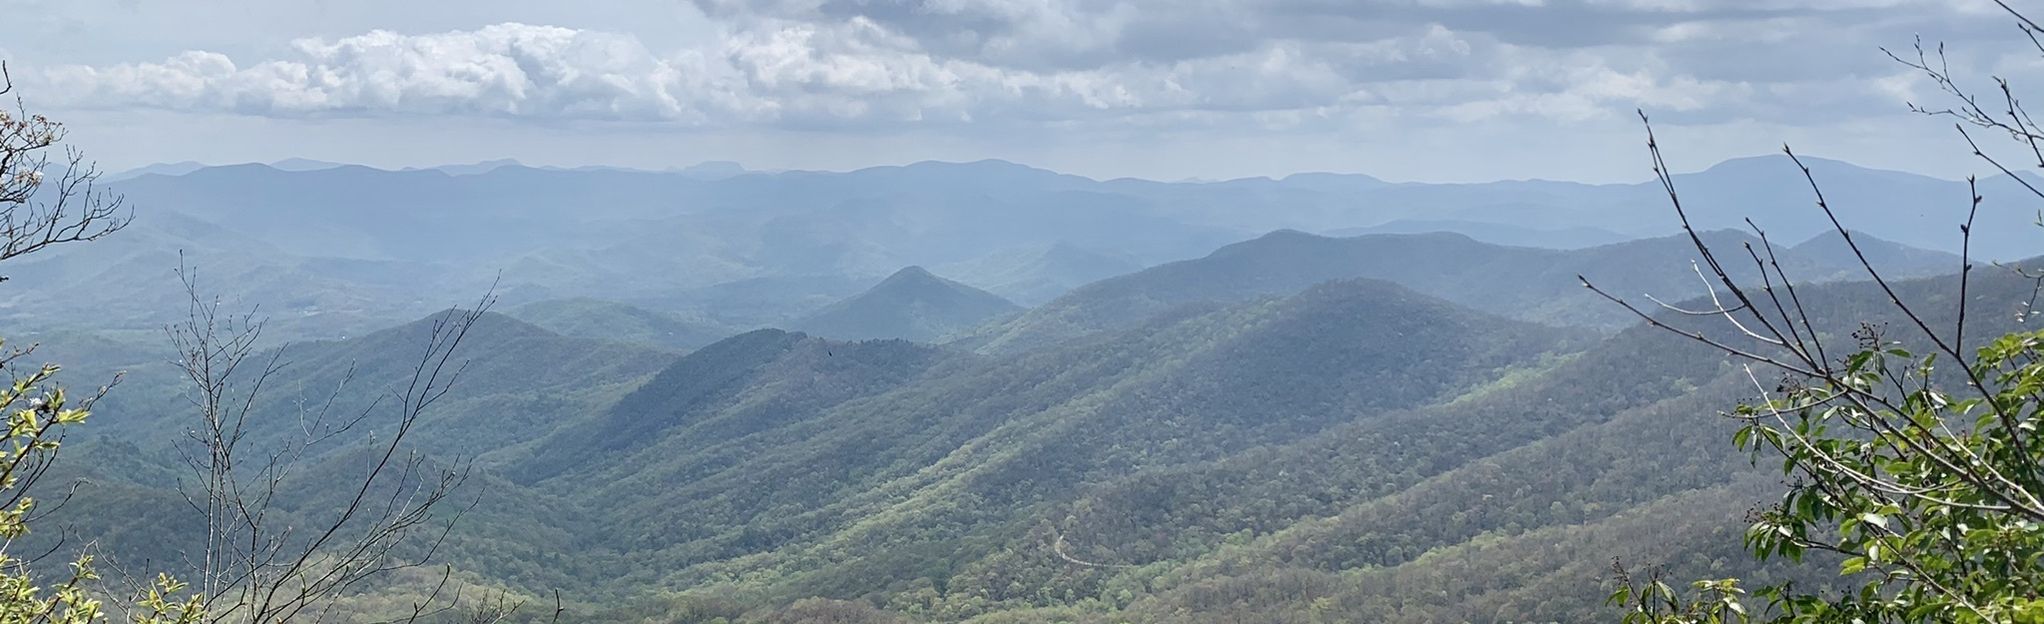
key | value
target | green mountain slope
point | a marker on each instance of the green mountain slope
(1512, 495)
(516, 383)
(1476, 510)
(1213, 449)
(821, 464)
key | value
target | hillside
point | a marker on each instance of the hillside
(1021, 312)
(1632, 464)
(1889, 257)
(517, 383)
(1356, 438)
(1289, 428)
(911, 304)
(1033, 276)
(330, 261)
(770, 449)
(1531, 284)
(1515, 494)
(619, 322)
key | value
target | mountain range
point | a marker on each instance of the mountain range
(1540, 285)
(309, 231)
(1348, 449)
(744, 398)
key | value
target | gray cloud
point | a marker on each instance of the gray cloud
(501, 70)
(1119, 68)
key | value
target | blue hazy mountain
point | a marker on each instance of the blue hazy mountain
(660, 238)
(911, 304)
(304, 164)
(1033, 275)
(1531, 284)
(168, 169)
(1230, 414)
(1559, 238)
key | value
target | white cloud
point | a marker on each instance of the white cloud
(1282, 64)
(511, 70)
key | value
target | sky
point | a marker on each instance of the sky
(1423, 90)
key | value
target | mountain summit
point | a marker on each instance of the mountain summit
(912, 304)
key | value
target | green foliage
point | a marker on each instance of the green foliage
(1926, 484)
(1654, 601)
(37, 410)
(1284, 460)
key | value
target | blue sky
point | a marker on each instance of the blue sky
(1405, 89)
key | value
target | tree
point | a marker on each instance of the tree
(1918, 468)
(36, 213)
(255, 566)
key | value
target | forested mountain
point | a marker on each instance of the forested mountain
(519, 383)
(1520, 534)
(339, 249)
(1301, 313)
(862, 456)
(1527, 283)
(1292, 428)
(619, 322)
(1831, 249)
(1283, 458)
(912, 304)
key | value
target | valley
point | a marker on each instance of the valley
(1290, 427)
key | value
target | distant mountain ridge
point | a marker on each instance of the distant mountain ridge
(1032, 276)
(1340, 451)
(1560, 238)
(668, 239)
(1900, 206)
(1521, 282)
(619, 322)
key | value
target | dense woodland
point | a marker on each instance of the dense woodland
(1248, 450)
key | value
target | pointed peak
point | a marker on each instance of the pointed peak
(912, 304)
(912, 276)
(914, 271)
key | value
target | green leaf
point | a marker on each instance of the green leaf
(1852, 565)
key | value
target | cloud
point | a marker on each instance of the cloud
(1308, 65)
(513, 70)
